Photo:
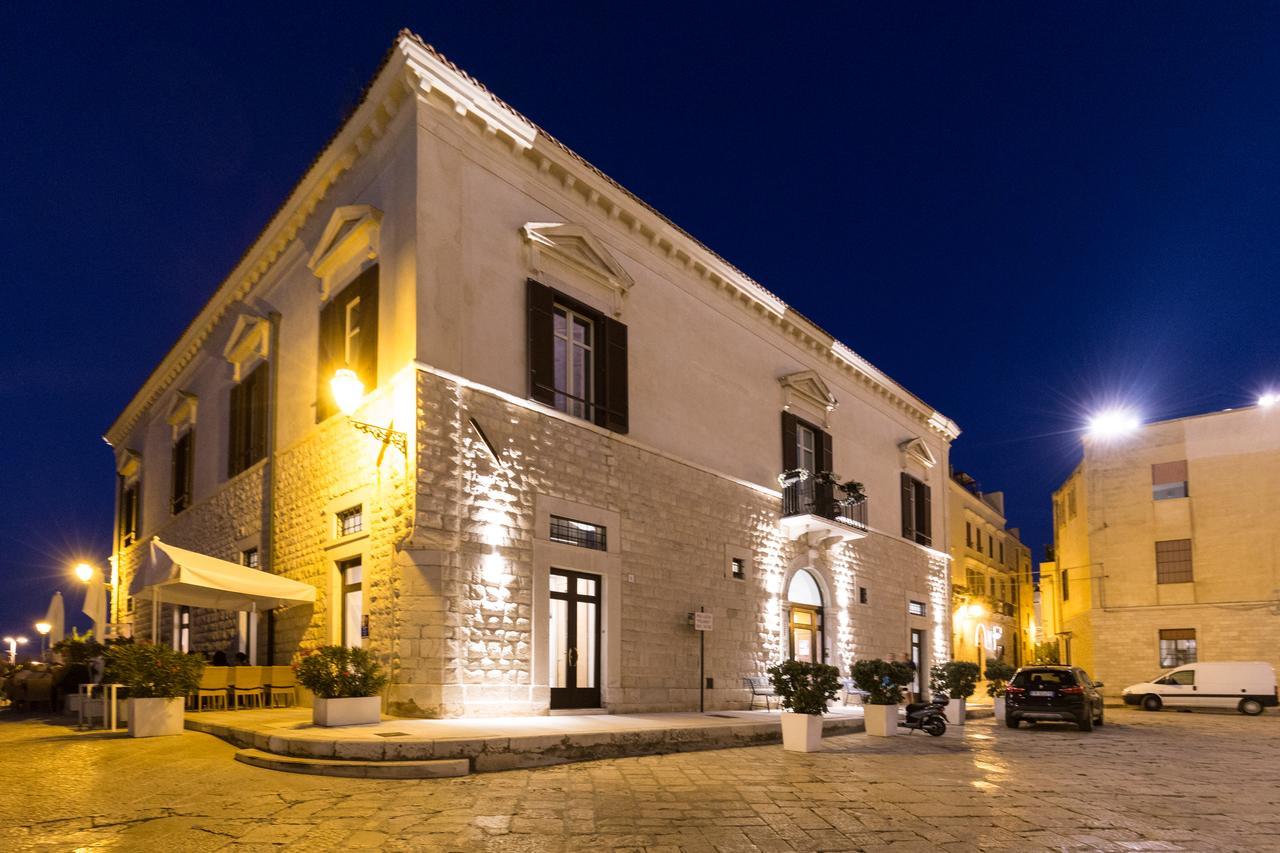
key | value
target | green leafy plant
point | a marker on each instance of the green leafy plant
(805, 688)
(997, 675)
(1046, 652)
(337, 672)
(152, 671)
(881, 680)
(956, 678)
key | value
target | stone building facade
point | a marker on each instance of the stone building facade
(578, 426)
(1166, 548)
(988, 565)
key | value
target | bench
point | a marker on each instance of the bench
(761, 688)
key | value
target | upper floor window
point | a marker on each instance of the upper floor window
(348, 338)
(806, 449)
(917, 511)
(182, 471)
(1002, 562)
(577, 358)
(351, 521)
(1169, 480)
(128, 514)
(247, 436)
(1066, 586)
(1173, 561)
(968, 534)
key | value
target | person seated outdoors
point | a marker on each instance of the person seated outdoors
(219, 658)
(242, 659)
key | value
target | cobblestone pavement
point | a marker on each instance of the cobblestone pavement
(1163, 781)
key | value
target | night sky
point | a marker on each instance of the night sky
(1021, 212)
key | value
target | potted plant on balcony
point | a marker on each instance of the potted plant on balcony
(346, 683)
(805, 689)
(853, 491)
(882, 681)
(158, 680)
(957, 679)
(997, 675)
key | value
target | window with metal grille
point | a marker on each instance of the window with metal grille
(579, 533)
(862, 595)
(739, 568)
(1177, 646)
(1173, 561)
(249, 557)
(915, 608)
(351, 520)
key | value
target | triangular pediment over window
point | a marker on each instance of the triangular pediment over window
(808, 387)
(128, 464)
(249, 343)
(915, 450)
(351, 239)
(564, 250)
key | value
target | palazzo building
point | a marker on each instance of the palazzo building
(1167, 549)
(571, 426)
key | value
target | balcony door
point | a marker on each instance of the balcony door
(575, 639)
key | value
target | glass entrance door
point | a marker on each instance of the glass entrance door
(574, 641)
(917, 658)
(806, 627)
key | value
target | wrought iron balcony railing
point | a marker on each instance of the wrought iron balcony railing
(808, 495)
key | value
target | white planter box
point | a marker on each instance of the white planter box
(354, 711)
(955, 712)
(155, 717)
(999, 706)
(801, 732)
(880, 720)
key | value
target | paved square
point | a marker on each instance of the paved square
(1164, 781)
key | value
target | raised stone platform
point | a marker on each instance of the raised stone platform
(497, 743)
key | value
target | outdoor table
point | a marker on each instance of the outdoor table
(110, 703)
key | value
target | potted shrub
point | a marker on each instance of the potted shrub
(158, 680)
(805, 689)
(346, 683)
(997, 675)
(882, 681)
(957, 679)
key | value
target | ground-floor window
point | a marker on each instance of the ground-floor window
(1177, 647)
(354, 624)
(182, 630)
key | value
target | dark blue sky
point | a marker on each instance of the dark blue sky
(1019, 211)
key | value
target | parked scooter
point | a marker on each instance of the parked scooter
(929, 717)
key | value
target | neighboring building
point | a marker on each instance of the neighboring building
(988, 562)
(1167, 547)
(594, 414)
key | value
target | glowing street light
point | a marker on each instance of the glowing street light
(347, 390)
(84, 571)
(13, 643)
(1268, 399)
(43, 629)
(1113, 424)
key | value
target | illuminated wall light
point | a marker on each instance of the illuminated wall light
(1113, 424)
(1268, 399)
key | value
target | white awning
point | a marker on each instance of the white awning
(178, 576)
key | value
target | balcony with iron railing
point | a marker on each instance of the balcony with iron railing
(818, 503)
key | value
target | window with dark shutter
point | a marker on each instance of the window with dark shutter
(247, 436)
(348, 338)
(181, 477)
(129, 514)
(917, 511)
(577, 359)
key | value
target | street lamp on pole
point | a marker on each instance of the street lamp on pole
(43, 629)
(13, 643)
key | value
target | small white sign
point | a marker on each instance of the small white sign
(702, 621)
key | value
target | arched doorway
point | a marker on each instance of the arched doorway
(804, 622)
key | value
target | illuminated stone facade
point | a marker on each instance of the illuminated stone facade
(1166, 548)
(668, 478)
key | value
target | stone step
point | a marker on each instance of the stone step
(432, 769)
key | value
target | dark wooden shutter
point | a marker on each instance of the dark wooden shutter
(541, 325)
(329, 358)
(825, 494)
(256, 413)
(924, 510)
(235, 432)
(789, 459)
(908, 507)
(177, 462)
(365, 288)
(613, 410)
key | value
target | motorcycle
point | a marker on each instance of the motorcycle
(928, 717)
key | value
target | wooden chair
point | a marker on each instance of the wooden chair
(761, 688)
(213, 685)
(246, 683)
(280, 684)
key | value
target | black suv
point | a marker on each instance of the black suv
(1053, 693)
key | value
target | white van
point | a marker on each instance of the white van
(1247, 686)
